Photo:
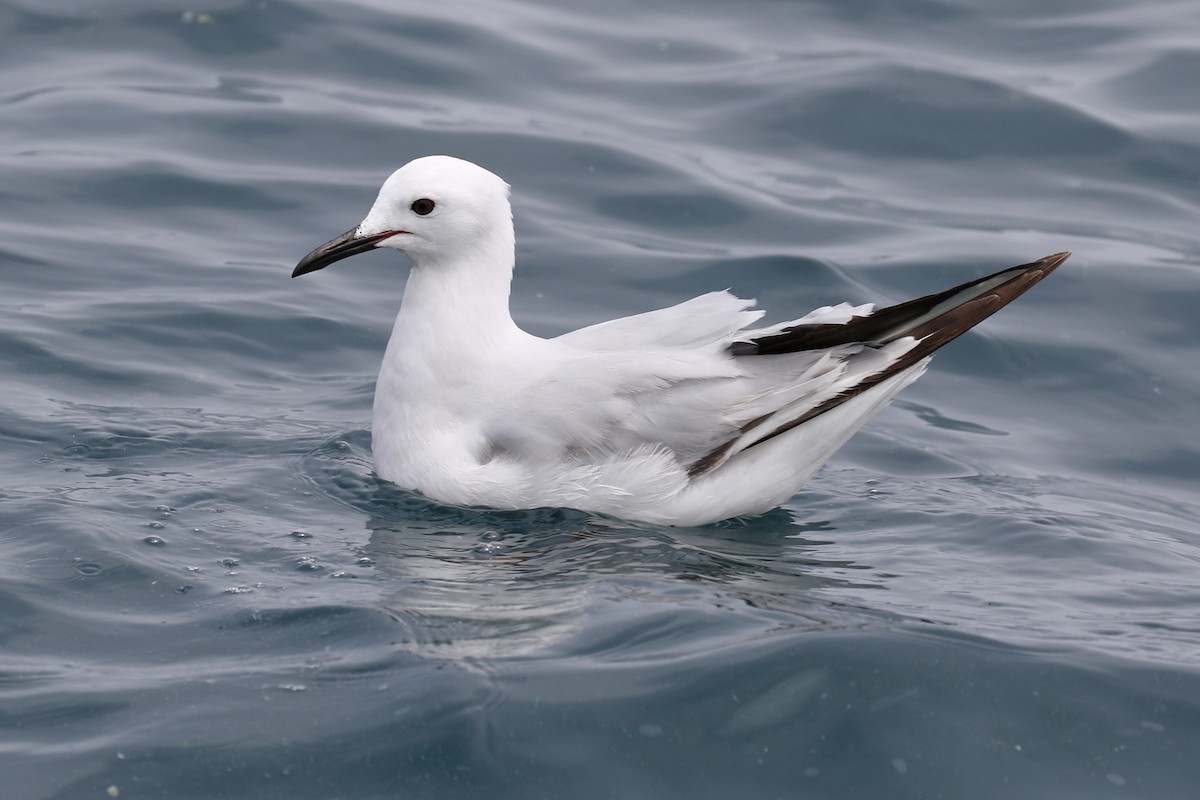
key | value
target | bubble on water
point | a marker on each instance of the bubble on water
(158, 526)
(341, 573)
(307, 564)
(300, 535)
(154, 541)
(238, 590)
(366, 562)
(229, 563)
(88, 568)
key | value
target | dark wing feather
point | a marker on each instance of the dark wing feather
(933, 321)
(904, 319)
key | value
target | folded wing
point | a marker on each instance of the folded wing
(892, 339)
(692, 381)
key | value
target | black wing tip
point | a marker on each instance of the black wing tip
(1049, 263)
(931, 335)
(1055, 258)
(881, 324)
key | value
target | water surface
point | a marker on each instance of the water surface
(204, 592)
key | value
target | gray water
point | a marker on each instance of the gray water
(991, 592)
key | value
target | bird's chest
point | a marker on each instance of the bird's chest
(432, 417)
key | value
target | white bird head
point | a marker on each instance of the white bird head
(434, 209)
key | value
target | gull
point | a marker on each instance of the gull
(681, 416)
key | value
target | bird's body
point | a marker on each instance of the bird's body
(680, 416)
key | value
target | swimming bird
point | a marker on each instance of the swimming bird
(682, 416)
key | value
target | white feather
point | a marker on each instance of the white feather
(650, 417)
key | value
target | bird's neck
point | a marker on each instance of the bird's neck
(451, 346)
(460, 305)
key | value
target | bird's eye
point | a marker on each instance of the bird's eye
(422, 207)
